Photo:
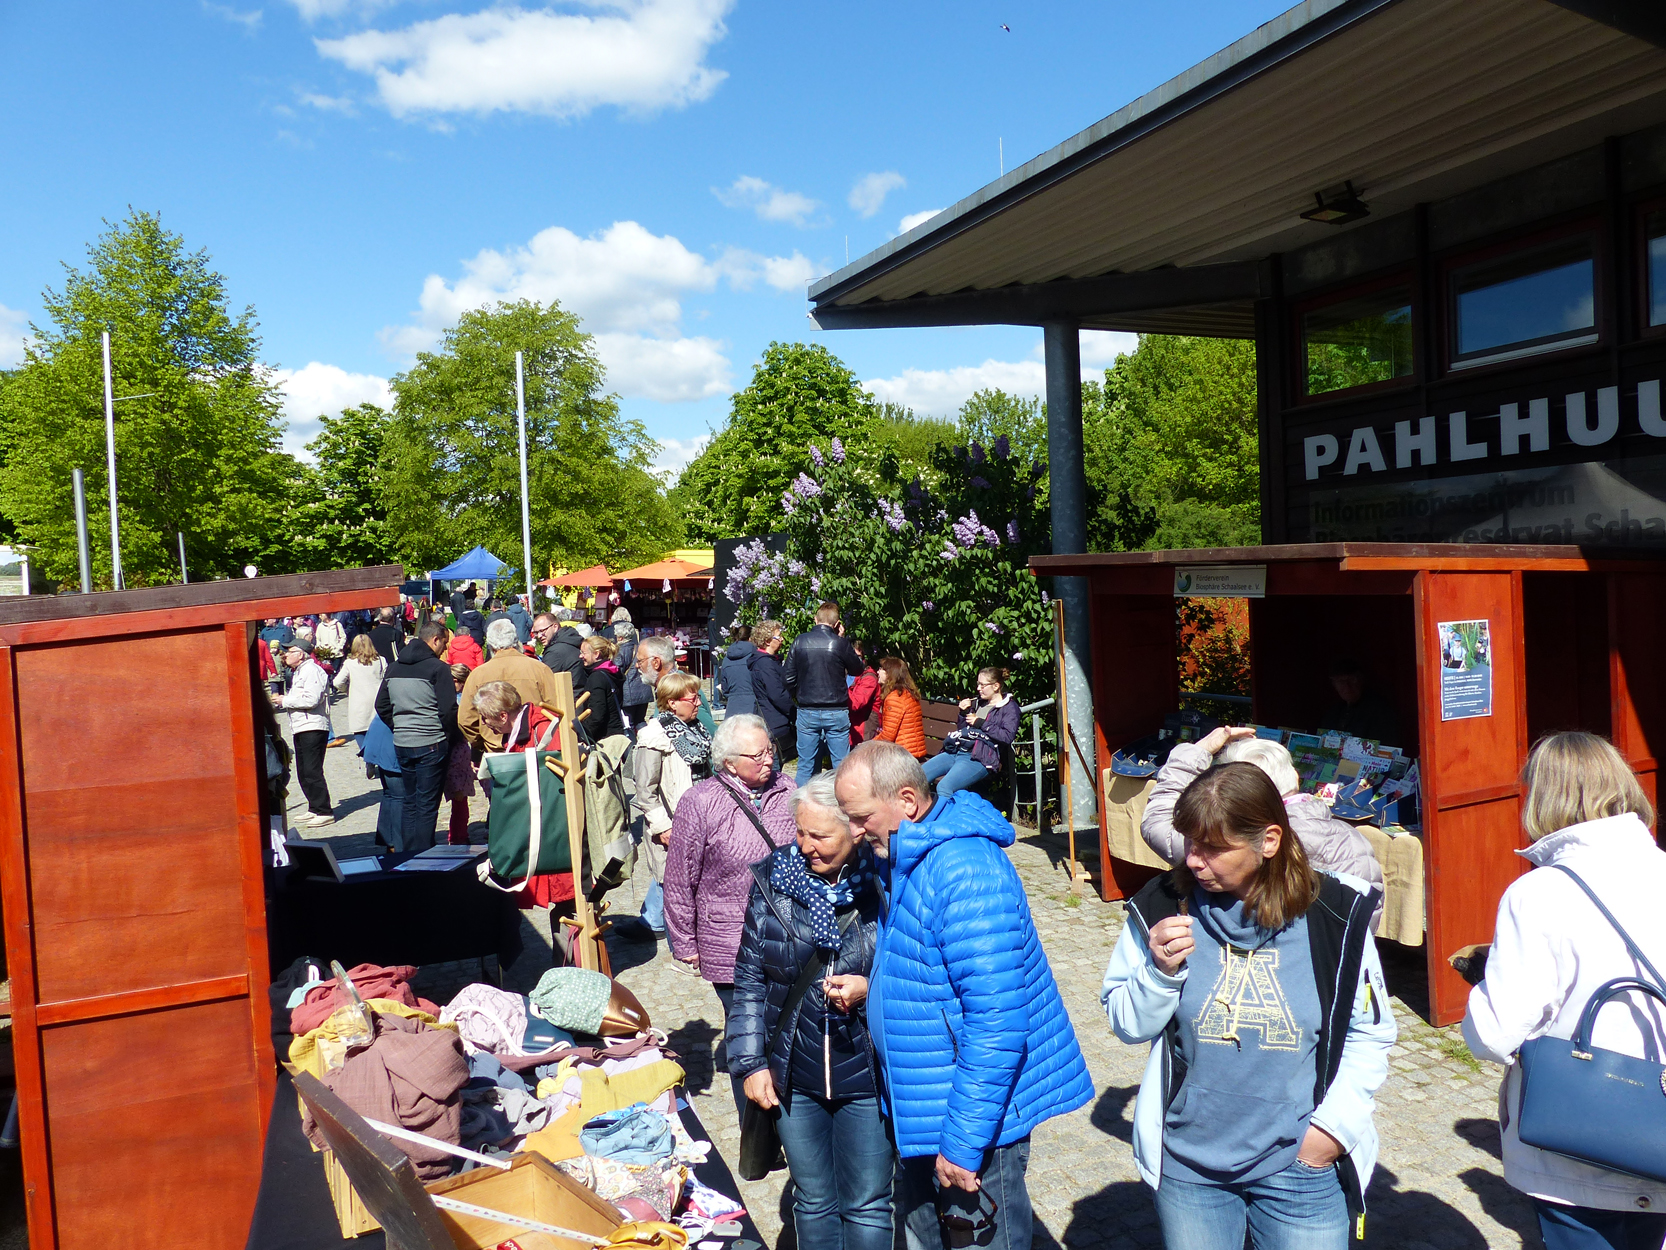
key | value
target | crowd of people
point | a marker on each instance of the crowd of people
(892, 1025)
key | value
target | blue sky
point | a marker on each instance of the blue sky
(673, 170)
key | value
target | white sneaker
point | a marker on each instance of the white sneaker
(318, 821)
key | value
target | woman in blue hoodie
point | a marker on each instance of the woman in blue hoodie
(1257, 983)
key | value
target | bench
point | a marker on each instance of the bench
(999, 788)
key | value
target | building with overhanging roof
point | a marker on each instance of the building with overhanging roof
(1442, 221)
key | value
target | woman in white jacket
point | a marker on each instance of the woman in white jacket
(361, 677)
(1585, 811)
(1257, 983)
(672, 752)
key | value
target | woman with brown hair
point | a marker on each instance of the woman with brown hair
(1256, 1105)
(974, 748)
(901, 721)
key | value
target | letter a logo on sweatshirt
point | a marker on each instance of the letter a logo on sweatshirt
(1248, 996)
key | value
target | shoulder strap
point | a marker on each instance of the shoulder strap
(745, 807)
(813, 968)
(1625, 937)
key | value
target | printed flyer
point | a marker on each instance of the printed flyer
(1465, 669)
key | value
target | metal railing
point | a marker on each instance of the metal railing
(1040, 793)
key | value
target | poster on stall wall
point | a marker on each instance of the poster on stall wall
(1465, 669)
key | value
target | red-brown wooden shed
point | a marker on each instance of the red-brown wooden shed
(1575, 641)
(131, 837)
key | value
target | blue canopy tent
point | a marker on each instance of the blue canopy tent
(478, 565)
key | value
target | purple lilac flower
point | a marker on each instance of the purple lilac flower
(993, 628)
(928, 606)
(976, 452)
(805, 486)
(981, 483)
(1012, 531)
(838, 450)
(1044, 599)
(815, 455)
(1003, 449)
(893, 514)
(1018, 655)
(796, 568)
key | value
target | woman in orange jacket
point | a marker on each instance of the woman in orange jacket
(899, 701)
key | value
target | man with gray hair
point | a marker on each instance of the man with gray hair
(965, 1017)
(534, 682)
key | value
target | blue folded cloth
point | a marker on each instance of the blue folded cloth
(636, 1134)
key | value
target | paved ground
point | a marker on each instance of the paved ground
(1439, 1185)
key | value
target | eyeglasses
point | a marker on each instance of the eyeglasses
(758, 757)
(961, 1231)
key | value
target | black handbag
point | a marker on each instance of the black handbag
(760, 1143)
(1597, 1106)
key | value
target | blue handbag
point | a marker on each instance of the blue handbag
(1597, 1106)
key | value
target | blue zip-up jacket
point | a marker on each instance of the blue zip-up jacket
(974, 1043)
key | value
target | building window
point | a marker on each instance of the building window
(1524, 303)
(1654, 232)
(1358, 342)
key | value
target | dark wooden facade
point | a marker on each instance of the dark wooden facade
(1574, 647)
(131, 840)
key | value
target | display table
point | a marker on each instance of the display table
(294, 1212)
(1401, 856)
(389, 917)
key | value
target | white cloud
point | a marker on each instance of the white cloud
(770, 202)
(328, 103)
(313, 10)
(941, 392)
(13, 328)
(675, 453)
(640, 55)
(868, 195)
(248, 20)
(915, 219)
(323, 390)
(628, 286)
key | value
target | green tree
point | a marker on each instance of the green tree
(449, 472)
(799, 393)
(197, 446)
(911, 440)
(990, 415)
(338, 520)
(1171, 448)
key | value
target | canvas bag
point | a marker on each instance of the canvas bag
(526, 830)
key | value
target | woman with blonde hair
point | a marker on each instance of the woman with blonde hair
(1257, 984)
(672, 752)
(1588, 821)
(901, 720)
(361, 677)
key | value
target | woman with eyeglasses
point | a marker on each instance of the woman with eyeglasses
(723, 826)
(973, 750)
(672, 752)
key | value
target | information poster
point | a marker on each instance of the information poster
(1465, 669)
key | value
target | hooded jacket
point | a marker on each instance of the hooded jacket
(604, 720)
(463, 649)
(862, 699)
(973, 1039)
(734, 679)
(1332, 845)
(1356, 1032)
(774, 948)
(561, 655)
(772, 699)
(817, 664)
(418, 699)
(1551, 950)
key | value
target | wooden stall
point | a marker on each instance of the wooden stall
(131, 837)
(1574, 646)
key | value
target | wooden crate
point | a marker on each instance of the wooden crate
(351, 1213)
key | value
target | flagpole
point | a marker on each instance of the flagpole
(526, 509)
(110, 465)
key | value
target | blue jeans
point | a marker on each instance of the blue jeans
(653, 907)
(1001, 1178)
(1300, 1208)
(1586, 1228)
(737, 1086)
(840, 1158)
(958, 772)
(817, 725)
(390, 813)
(424, 772)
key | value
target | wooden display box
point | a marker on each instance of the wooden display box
(1575, 645)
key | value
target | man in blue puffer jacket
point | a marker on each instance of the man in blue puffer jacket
(974, 1044)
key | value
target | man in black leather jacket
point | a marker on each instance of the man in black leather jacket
(820, 660)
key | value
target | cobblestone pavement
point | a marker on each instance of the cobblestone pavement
(1439, 1184)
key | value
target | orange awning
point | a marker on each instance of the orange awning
(664, 570)
(595, 576)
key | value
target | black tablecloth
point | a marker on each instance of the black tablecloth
(389, 918)
(294, 1211)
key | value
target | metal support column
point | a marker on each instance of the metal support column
(1067, 484)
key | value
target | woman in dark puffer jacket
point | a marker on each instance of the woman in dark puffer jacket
(812, 921)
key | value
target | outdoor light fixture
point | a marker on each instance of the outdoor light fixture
(1337, 207)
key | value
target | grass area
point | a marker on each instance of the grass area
(1452, 1046)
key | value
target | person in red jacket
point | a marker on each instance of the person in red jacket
(465, 649)
(863, 695)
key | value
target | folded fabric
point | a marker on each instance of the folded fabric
(636, 1134)
(706, 1204)
(487, 1018)
(321, 1050)
(371, 981)
(602, 1094)
(573, 998)
(657, 1184)
(484, 1066)
(410, 1075)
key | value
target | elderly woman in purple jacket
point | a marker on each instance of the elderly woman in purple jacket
(723, 826)
(987, 727)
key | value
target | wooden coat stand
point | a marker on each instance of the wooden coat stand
(588, 943)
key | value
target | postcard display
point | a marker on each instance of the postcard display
(1478, 650)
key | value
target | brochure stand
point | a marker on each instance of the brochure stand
(1569, 644)
(131, 842)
